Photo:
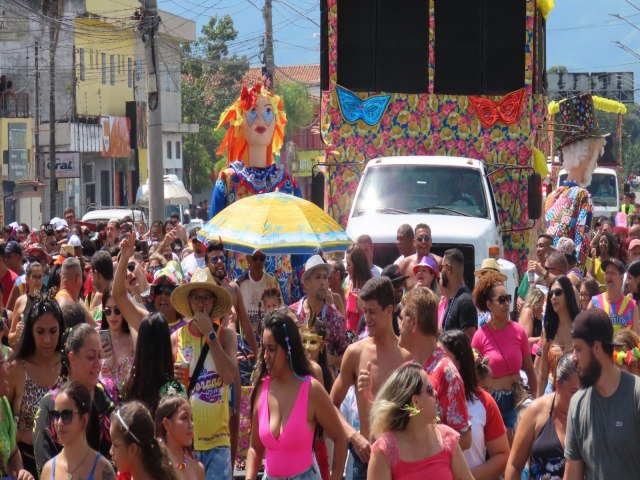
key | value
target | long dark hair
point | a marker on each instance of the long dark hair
(613, 244)
(327, 376)
(152, 364)
(552, 321)
(457, 342)
(104, 325)
(28, 344)
(361, 271)
(286, 334)
(134, 424)
(167, 408)
(80, 396)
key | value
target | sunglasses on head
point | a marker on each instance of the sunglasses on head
(35, 259)
(66, 415)
(423, 238)
(558, 292)
(108, 311)
(167, 289)
(503, 299)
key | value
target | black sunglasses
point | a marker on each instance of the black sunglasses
(108, 311)
(218, 258)
(423, 238)
(65, 415)
(168, 289)
(131, 266)
(503, 299)
(558, 292)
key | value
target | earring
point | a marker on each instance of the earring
(413, 411)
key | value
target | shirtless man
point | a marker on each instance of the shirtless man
(423, 243)
(376, 356)
(216, 262)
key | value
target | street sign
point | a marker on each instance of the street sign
(67, 165)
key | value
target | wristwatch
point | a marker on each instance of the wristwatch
(212, 336)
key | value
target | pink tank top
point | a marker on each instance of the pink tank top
(291, 452)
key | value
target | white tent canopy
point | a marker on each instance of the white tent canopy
(174, 192)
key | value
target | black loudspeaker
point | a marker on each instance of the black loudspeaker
(317, 189)
(534, 196)
(402, 46)
(356, 44)
(458, 46)
(324, 46)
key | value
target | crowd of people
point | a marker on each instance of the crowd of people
(128, 352)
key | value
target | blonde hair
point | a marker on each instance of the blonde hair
(387, 413)
(234, 142)
(534, 297)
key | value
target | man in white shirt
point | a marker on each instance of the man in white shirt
(253, 282)
(196, 259)
(404, 242)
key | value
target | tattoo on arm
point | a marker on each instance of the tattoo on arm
(108, 473)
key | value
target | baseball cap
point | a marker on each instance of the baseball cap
(616, 263)
(13, 247)
(594, 325)
(392, 272)
(634, 243)
(74, 241)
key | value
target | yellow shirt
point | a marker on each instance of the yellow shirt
(209, 398)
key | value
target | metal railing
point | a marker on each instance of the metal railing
(14, 105)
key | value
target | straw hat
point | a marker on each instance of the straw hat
(490, 265)
(201, 279)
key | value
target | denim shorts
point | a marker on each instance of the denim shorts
(506, 403)
(217, 463)
(359, 471)
(311, 473)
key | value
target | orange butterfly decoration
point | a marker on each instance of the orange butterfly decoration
(507, 109)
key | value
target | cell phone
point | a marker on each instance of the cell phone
(105, 336)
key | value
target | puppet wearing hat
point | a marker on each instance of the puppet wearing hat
(255, 123)
(569, 209)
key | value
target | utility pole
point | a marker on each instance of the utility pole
(36, 128)
(269, 62)
(150, 22)
(54, 34)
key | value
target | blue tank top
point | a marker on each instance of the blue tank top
(93, 469)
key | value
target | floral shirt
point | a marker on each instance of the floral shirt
(337, 339)
(447, 382)
(568, 213)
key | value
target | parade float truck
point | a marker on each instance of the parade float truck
(436, 99)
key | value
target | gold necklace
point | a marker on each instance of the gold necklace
(70, 472)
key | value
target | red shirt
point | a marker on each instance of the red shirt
(449, 387)
(7, 282)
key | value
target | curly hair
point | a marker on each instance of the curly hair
(484, 287)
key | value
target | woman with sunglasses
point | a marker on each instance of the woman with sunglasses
(70, 419)
(562, 308)
(119, 345)
(136, 452)
(34, 276)
(487, 456)
(82, 364)
(287, 406)
(410, 444)
(505, 343)
(35, 369)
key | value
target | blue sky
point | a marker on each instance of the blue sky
(579, 32)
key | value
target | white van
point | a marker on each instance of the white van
(604, 191)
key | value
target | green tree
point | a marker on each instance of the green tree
(558, 69)
(297, 104)
(210, 83)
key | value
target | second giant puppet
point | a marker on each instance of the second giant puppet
(569, 209)
(255, 123)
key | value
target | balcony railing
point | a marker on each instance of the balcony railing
(14, 105)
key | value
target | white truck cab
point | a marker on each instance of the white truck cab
(604, 191)
(452, 195)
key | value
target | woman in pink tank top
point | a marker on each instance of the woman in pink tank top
(410, 445)
(287, 404)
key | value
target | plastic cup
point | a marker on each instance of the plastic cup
(183, 367)
(531, 277)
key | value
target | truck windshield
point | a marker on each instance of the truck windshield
(397, 189)
(603, 189)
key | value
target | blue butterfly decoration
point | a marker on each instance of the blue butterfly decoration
(370, 111)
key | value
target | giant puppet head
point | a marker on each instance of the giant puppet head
(583, 143)
(256, 127)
